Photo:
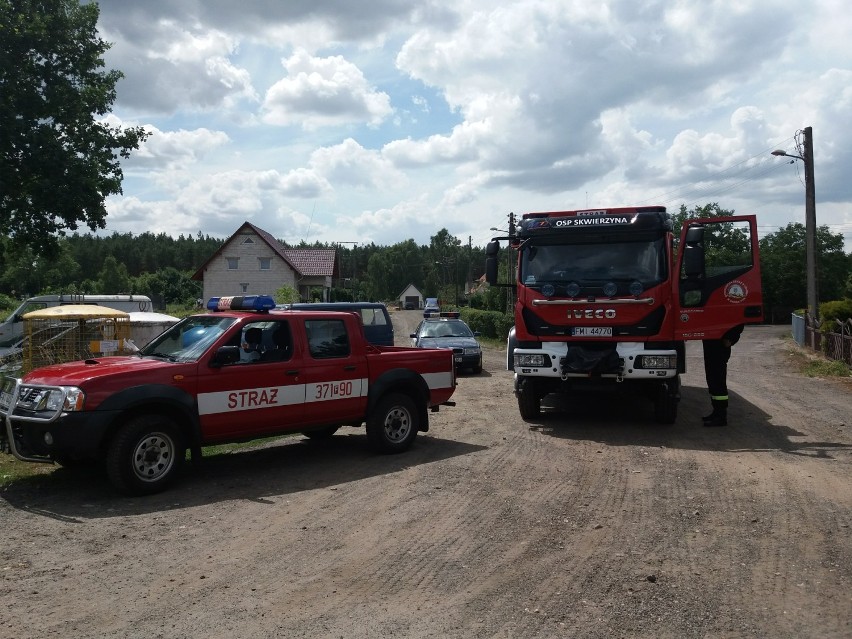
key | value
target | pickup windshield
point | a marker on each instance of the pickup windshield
(592, 265)
(187, 340)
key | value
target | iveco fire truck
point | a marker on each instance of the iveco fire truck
(605, 296)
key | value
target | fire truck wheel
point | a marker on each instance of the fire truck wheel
(529, 403)
(321, 433)
(393, 423)
(146, 455)
(665, 403)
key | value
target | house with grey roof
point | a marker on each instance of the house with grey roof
(253, 262)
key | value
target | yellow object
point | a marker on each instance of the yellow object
(72, 332)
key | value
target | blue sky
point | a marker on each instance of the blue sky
(378, 122)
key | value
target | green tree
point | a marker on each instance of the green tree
(783, 264)
(57, 162)
(113, 277)
(286, 295)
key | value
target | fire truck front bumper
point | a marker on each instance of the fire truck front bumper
(617, 360)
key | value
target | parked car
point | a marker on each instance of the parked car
(446, 330)
(431, 307)
(378, 327)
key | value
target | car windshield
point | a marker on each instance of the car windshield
(451, 328)
(187, 340)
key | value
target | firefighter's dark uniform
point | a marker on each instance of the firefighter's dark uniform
(717, 352)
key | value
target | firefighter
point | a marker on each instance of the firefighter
(717, 352)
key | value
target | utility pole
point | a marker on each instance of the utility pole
(807, 157)
(810, 225)
(510, 271)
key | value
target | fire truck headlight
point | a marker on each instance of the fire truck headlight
(636, 288)
(572, 290)
(610, 289)
(531, 360)
(656, 361)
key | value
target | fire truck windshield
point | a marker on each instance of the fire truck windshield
(591, 264)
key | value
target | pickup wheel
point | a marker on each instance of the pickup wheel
(146, 455)
(393, 423)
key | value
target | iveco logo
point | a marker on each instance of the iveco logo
(592, 313)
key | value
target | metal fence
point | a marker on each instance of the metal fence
(833, 339)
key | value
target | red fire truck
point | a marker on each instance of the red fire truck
(604, 296)
(241, 371)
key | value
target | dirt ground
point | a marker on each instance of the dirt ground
(593, 522)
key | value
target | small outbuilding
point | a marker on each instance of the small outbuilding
(410, 298)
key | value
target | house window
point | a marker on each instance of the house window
(265, 263)
(244, 286)
(233, 263)
(248, 240)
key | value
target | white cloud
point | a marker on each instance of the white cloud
(175, 150)
(546, 103)
(351, 164)
(323, 92)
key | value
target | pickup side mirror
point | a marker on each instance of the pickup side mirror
(693, 253)
(225, 355)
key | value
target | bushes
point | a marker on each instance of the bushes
(492, 324)
(840, 310)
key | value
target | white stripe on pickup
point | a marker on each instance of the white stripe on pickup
(338, 389)
(250, 399)
(439, 380)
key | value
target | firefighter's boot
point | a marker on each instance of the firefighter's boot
(719, 416)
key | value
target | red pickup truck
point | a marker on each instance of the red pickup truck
(241, 371)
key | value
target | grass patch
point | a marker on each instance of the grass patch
(811, 364)
(13, 469)
(826, 368)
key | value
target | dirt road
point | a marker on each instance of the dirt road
(591, 523)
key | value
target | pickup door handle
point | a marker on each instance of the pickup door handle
(292, 372)
(351, 367)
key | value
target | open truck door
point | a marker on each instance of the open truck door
(719, 286)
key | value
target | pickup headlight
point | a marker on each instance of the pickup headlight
(64, 398)
(532, 360)
(656, 361)
(471, 350)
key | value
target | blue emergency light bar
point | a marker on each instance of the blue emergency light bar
(257, 303)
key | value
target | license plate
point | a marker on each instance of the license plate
(592, 331)
(458, 358)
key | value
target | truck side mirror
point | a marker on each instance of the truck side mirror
(225, 355)
(492, 250)
(693, 253)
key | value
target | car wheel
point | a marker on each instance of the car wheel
(393, 423)
(146, 455)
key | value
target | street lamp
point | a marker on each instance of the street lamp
(807, 158)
